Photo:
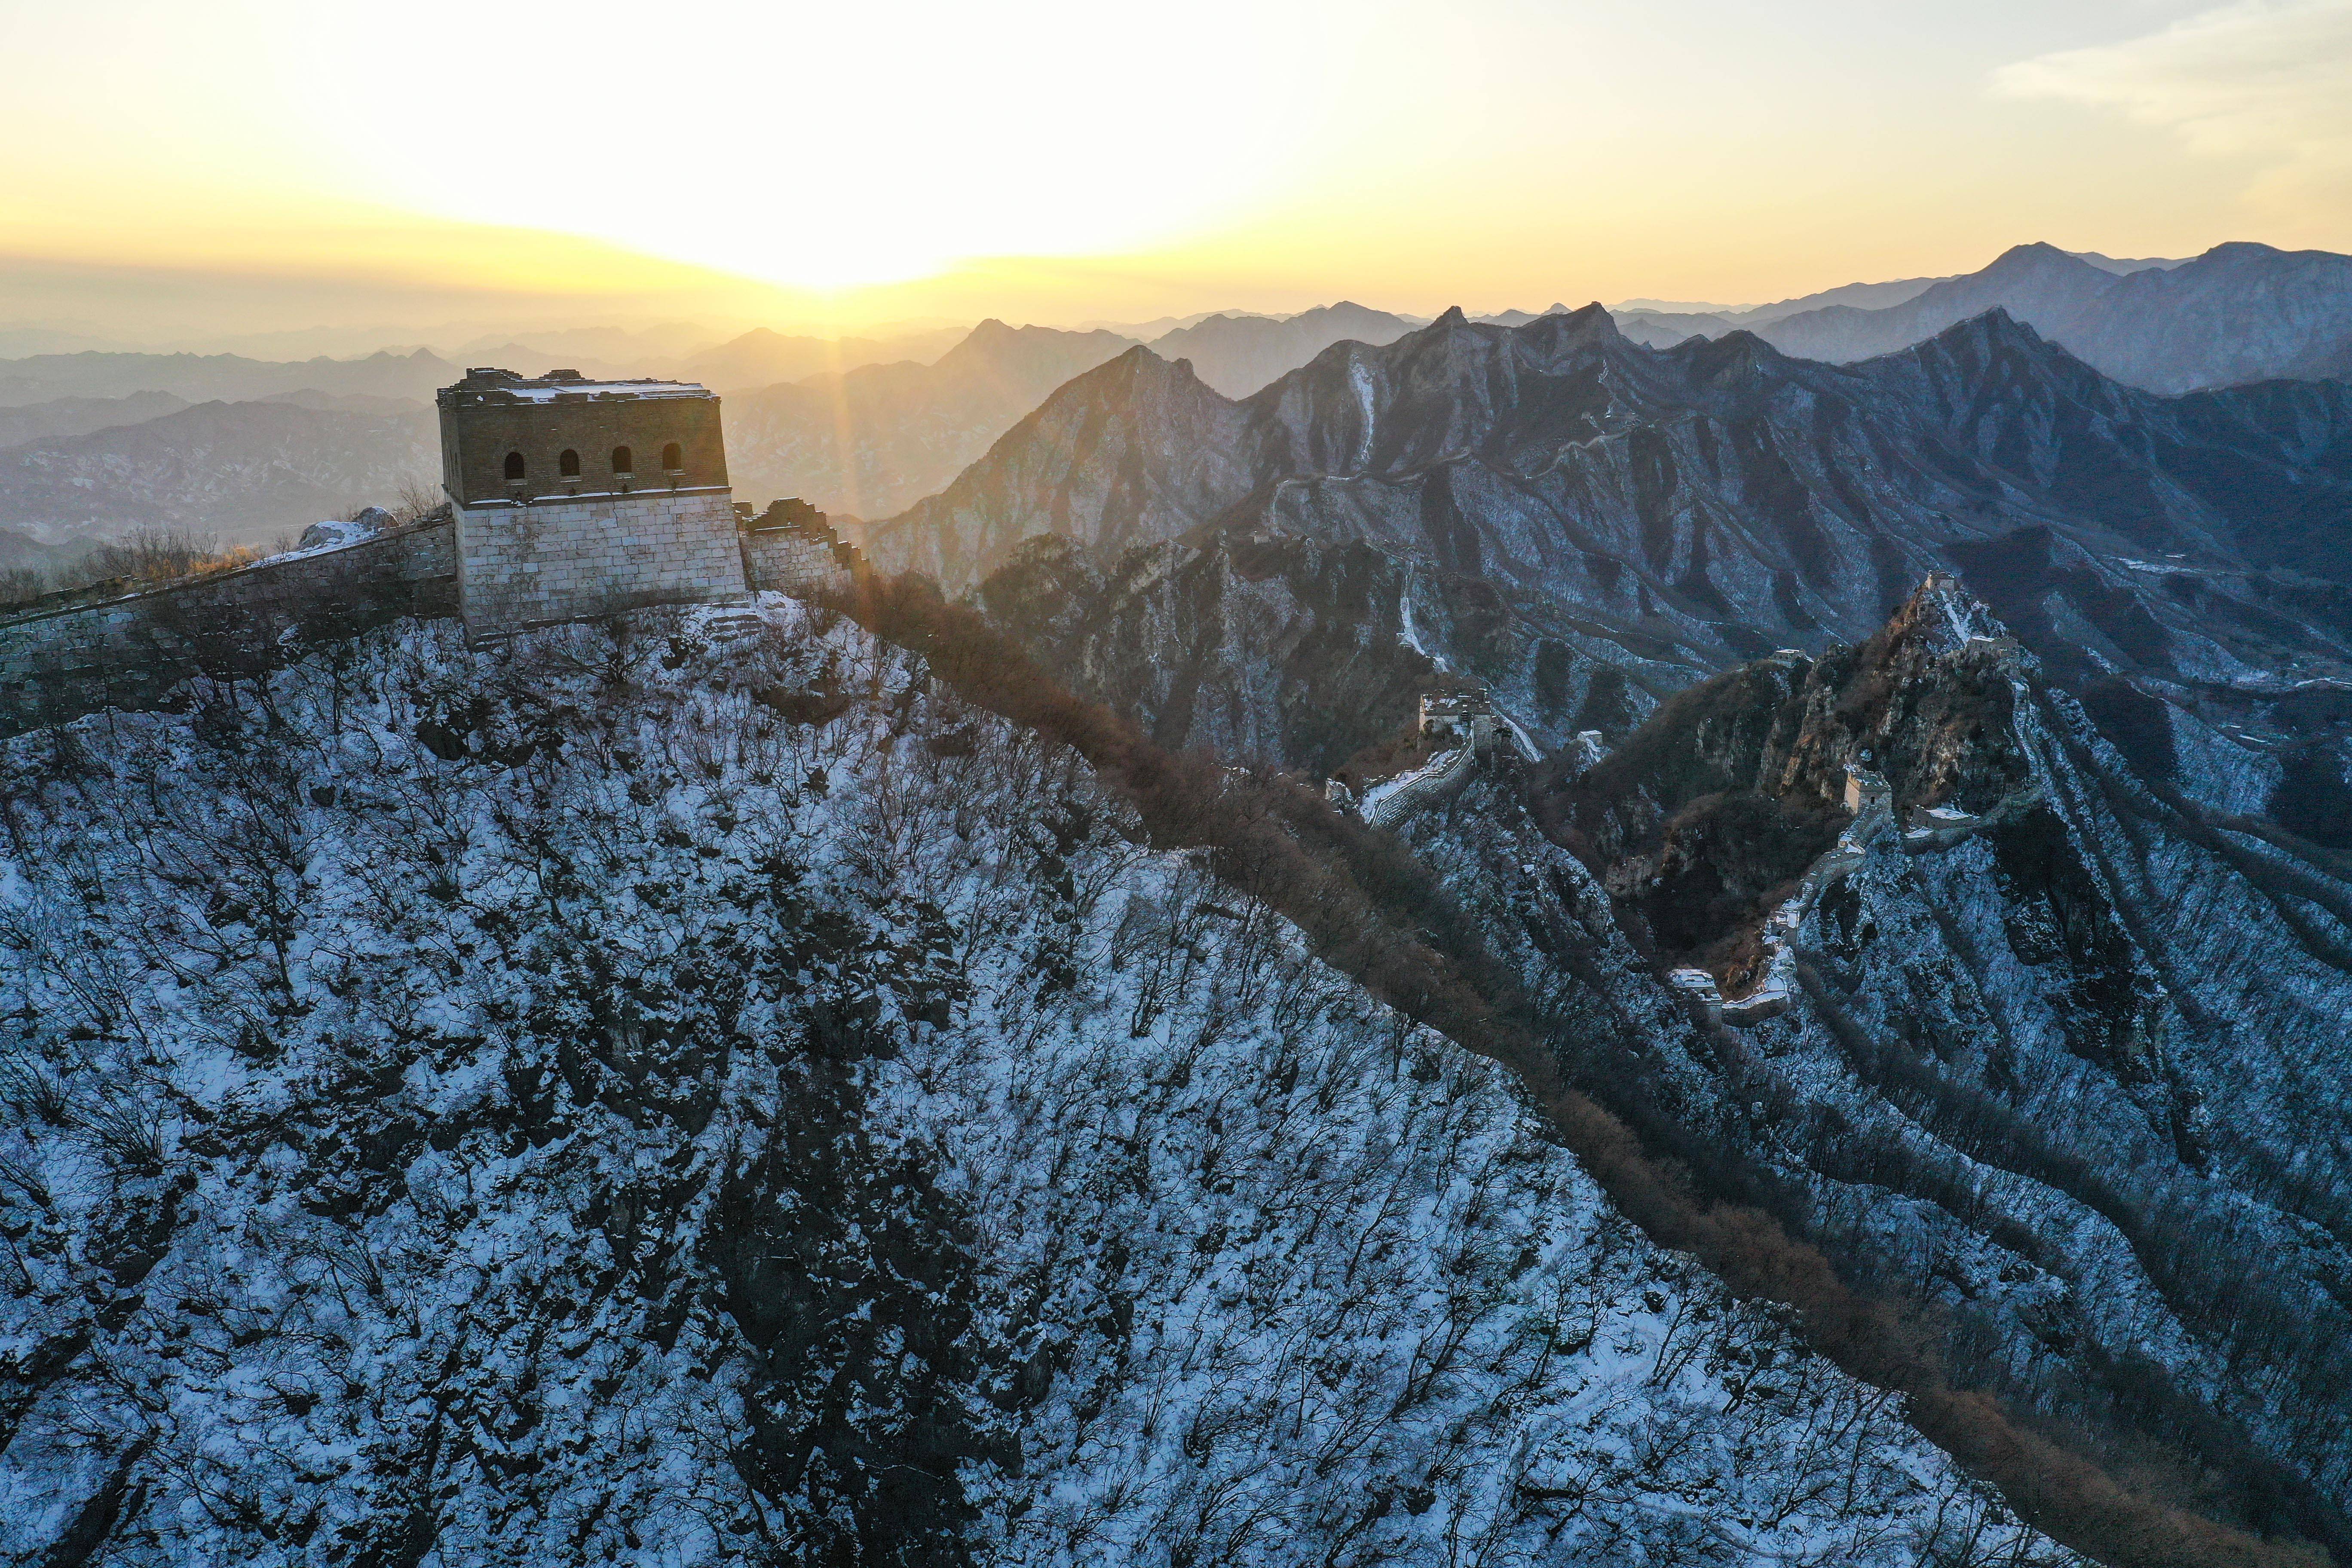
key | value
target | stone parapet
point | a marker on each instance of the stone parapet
(129, 652)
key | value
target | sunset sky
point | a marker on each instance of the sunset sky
(243, 163)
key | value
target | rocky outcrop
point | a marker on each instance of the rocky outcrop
(2064, 1053)
(1709, 817)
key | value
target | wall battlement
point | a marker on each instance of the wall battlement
(791, 548)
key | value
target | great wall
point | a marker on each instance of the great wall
(548, 520)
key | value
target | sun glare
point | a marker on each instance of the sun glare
(818, 147)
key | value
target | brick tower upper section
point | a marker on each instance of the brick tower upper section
(577, 498)
(511, 440)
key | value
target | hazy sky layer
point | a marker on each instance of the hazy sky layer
(266, 158)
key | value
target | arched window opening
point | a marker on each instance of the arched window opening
(673, 458)
(514, 466)
(624, 460)
(567, 463)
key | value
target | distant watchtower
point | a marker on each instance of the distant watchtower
(576, 498)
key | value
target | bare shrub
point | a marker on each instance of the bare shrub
(132, 1136)
(21, 585)
(415, 501)
(161, 555)
(35, 1093)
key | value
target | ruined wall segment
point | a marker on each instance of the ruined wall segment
(792, 549)
(577, 498)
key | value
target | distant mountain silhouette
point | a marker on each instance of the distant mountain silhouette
(246, 472)
(197, 378)
(1521, 318)
(2240, 312)
(1238, 354)
(763, 358)
(872, 441)
(67, 416)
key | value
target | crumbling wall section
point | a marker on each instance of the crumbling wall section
(129, 652)
(790, 548)
(790, 562)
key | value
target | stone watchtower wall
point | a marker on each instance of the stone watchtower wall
(576, 498)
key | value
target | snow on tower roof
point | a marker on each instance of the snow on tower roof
(489, 384)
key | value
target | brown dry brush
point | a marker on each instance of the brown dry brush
(1372, 911)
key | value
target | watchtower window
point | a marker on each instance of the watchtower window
(567, 464)
(624, 460)
(514, 466)
(673, 458)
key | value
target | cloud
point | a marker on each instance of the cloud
(2267, 83)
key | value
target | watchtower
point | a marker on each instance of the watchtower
(576, 498)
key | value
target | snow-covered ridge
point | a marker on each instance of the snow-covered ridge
(466, 1104)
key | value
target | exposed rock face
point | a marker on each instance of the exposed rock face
(2240, 312)
(1589, 525)
(1709, 815)
(871, 441)
(2069, 1057)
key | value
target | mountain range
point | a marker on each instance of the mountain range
(199, 378)
(762, 358)
(2113, 878)
(2240, 312)
(872, 441)
(806, 418)
(993, 1058)
(243, 472)
(868, 440)
(1555, 498)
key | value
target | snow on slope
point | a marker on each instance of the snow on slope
(2068, 1060)
(621, 1101)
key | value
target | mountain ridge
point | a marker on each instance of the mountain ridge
(2240, 312)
